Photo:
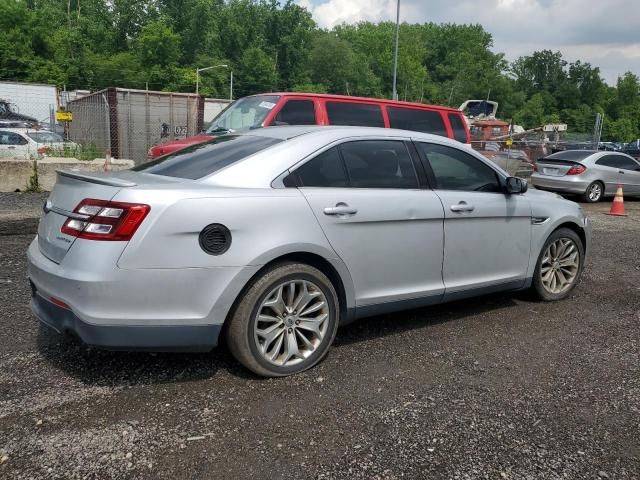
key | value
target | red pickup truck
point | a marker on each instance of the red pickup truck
(271, 109)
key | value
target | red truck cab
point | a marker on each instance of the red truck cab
(271, 109)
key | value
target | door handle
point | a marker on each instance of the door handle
(340, 209)
(620, 171)
(11, 147)
(462, 207)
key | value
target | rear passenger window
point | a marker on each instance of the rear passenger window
(325, 170)
(618, 161)
(608, 161)
(426, 121)
(459, 127)
(457, 170)
(296, 112)
(379, 164)
(357, 114)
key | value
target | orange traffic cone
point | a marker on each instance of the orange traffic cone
(617, 207)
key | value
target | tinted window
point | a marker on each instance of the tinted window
(359, 114)
(454, 169)
(572, 155)
(459, 127)
(206, 158)
(325, 170)
(296, 112)
(618, 161)
(425, 121)
(11, 138)
(379, 164)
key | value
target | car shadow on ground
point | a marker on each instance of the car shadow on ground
(400, 322)
(113, 368)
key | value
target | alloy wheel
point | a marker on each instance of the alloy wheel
(595, 192)
(560, 265)
(291, 322)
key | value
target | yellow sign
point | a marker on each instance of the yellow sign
(64, 116)
(509, 142)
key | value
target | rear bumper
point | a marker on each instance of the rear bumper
(165, 338)
(559, 184)
(139, 309)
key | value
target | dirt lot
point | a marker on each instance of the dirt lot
(496, 387)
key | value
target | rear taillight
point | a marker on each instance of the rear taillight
(535, 166)
(43, 150)
(106, 220)
(577, 170)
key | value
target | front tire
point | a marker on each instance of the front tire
(594, 192)
(559, 266)
(285, 322)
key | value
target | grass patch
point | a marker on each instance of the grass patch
(81, 152)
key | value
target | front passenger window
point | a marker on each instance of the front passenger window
(296, 112)
(454, 169)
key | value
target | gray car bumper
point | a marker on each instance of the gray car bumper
(171, 338)
(559, 184)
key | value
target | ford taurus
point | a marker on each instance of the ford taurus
(274, 238)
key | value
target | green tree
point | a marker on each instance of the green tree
(158, 45)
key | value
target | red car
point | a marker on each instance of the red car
(270, 109)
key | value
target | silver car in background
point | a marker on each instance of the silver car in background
(591, 174)
(276, 237)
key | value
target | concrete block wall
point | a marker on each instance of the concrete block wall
(14, 174)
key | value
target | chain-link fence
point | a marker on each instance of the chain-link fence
(129, 122)
(125, 123)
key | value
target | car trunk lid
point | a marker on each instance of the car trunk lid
(70, 189)
(555, 168)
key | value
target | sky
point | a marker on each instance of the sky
(605, 33)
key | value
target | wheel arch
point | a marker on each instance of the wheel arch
(334, 269)
(579, 230)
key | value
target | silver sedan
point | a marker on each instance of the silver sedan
(273, 239)
(591, 174)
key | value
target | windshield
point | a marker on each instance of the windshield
(46, 137)
(244, 114)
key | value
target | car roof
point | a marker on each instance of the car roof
(337, 132)
(330, 96)
(24, 130)
(258, 170)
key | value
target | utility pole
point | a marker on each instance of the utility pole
(395, 57)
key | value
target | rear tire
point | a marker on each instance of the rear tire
(594, 192)
(559, 266)
(285, 321)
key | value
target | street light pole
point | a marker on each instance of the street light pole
(395, 57)
(198, 70)
(230, 85)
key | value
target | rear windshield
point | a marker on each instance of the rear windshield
(570, 155)
(459, 127)
(203, 159)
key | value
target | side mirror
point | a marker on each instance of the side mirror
(516, 185)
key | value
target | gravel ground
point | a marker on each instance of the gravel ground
(19, 212)
(495, 387)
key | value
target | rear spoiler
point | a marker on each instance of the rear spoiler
(86, 177)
